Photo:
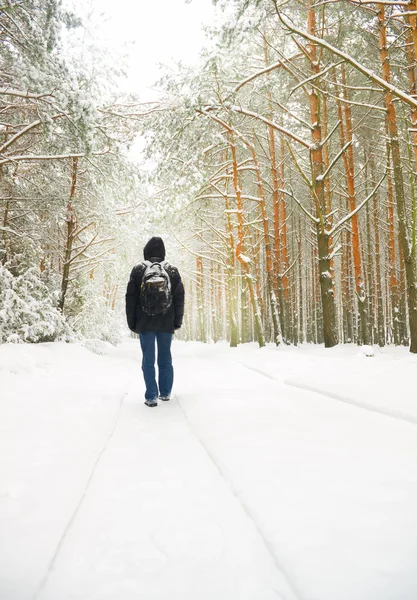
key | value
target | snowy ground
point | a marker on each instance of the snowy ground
(285, 473)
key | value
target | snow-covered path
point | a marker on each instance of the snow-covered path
(243, 487)
(158, 521)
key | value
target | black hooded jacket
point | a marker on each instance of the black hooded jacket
(137, 320)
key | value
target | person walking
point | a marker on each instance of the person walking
(154, 310)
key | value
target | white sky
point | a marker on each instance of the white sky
(154, 31)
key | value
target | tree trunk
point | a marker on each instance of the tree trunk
(231, 275)
(392, 263)
(345, 137)
(378, 274)
(275, 285)
(405, 242)
(318, 190)
(200, 300)
(283, 277)
(71, 226)
(268, 250)
(240, 248)
(5, 256)
(301, 336)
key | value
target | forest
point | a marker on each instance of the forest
(281, 170)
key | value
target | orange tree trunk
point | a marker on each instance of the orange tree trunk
(404, 240)
(412, 24)
(413, 91)
(240, 248)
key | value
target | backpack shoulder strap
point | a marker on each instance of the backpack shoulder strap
(147, 266)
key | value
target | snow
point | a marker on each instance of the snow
(325, 275)
(275, 473)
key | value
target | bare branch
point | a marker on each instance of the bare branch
(305, 211)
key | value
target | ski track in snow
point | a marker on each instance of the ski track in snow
(356, 403)
(73, 517)
(380, 411)
(268, 545)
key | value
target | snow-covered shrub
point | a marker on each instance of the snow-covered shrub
(28, 310)
(94, 319)
(96, 346)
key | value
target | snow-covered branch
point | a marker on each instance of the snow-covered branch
(305, 211)
(347, 217)
(396, 91)
(268, 69)
(20, 94)
(34, 157)
(23, 131)
(334, 161)
(270, 123)
(315, 76)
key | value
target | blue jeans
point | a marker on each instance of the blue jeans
(165, 369)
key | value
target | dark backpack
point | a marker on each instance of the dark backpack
(155, 289)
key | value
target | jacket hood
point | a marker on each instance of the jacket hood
(155, 248)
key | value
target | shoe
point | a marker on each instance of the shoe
(165, 398)
(153, 402)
